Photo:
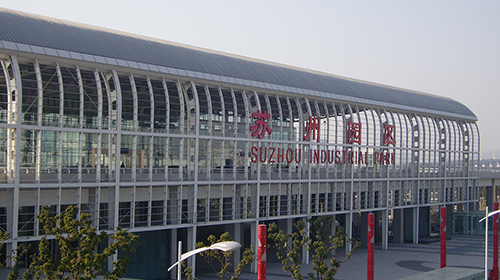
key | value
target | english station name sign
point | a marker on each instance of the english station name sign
(320, 156)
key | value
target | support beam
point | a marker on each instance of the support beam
(305, 253)
(364, 229)
(398, 228)
(490, 195)
(173, 252)
(334, 229)
(348, 231)
(449, 219)
(255, 242)
(415, 224)
(385, 229)
(235, 232)
(191, 241)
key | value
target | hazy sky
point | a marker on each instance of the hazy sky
(447, 48)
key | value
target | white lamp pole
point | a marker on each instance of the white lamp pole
(486, 240)
(222, 246)
(486, 248)
(179, 256)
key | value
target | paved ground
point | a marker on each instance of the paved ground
(399, 261)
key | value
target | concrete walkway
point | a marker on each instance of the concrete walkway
(399, 261)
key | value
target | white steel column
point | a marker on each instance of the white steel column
(238, 238)
(174, 251)
(80, 125)
(255, 242)
(385, 228)
(196, 151)
(191, 241)
(60, 124)
(14, 148)
(415, 224)
(289, 229)
(246, 135)
(116, 153)
(309, 171)
(181, 141)
(151, 142)
(348, 231)
(98, 153)
(208, 156)
(134, 128)
(38, 152)
(167, 125)
(305, 253)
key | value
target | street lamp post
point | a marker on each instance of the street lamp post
(486, 240)
(224, 246)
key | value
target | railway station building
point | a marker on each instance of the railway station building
(175, 142)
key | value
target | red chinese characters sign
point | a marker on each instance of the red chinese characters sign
(389, 135)
(322, 155)
(312, 128)
(260, 127)
(353, 132)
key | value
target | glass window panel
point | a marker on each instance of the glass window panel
(144, 105)
(141, 213)
(28, 148)
(71, 111)
(295, 119)
(173, 151)
(174, 108)
(242, 118)
(49, 149)
(26, 222)
(217, 112)
(124, 214)
(4, 97)
(127, 103)
(190, 115)
(89, 157)
(160, 107)
(159, 150)
(126, 148)
(204, 112)
(263, 103)
(142, 158)
(275, 121)
(51, 96)
(3, 218)
(229, 114)
(90, 100)
(69, 142)
(108, 105)
(157, 212)
(30, 95)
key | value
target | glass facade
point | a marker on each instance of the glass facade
(140, 150)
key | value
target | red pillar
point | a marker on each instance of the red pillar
(261, 253)
(495, 243)
(371, 246)
(442, 214)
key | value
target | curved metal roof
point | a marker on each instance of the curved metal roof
(31, 33)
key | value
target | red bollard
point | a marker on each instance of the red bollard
(442, 214)
(495, 243)
(371, 246)
(261, 253)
